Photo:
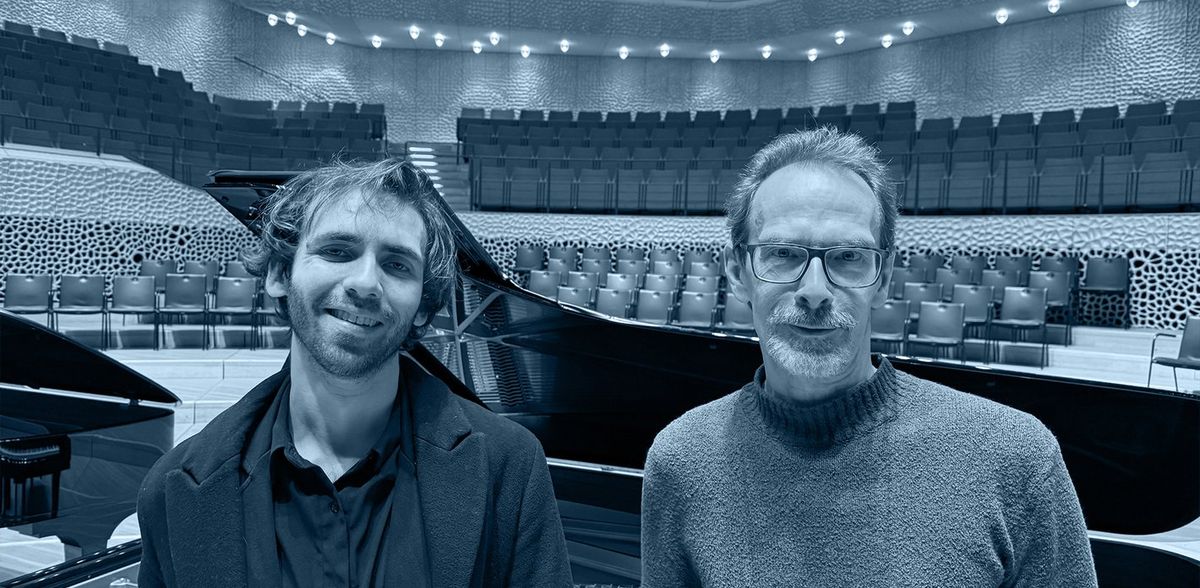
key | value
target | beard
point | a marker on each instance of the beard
(815, 357)
(340, 353)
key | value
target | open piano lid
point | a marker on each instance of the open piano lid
(34, 356)
(1133, 452)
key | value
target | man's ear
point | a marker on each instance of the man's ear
(276, 281)
(737, 273)
(422, 318)
(884, 285)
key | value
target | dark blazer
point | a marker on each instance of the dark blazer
(486, 500)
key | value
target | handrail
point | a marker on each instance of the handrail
(319, 97)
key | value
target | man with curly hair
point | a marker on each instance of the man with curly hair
(352, 466)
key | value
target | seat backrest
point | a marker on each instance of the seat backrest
(1106, 272)
(1028, 304)
(620, 281)
(659, 283)
(1060, 263)
(158, 268)
(236, 293)
(185, 291)
(601, 253)
(654, 306)
(903, 275)
(557, 264)
(529, 257)
(697, 307)
(575, 295)
(629, 253)
(999, 279)
(1189, 346)
(1056, 284)
(614, 302)
(596, 266)
(632, 266)
(544, 282)
(976, 301)
(941, 319)
(583, 279)
(891, 318)
(704, 268)
(701, 284)
(1017, 263)
(27, 290)
(133, 292)
(922, 292)
(975, 264)
(927, 262)
(81, 291)
(668, 267)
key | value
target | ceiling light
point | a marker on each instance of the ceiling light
(623, 52)
(908, 28)
(301, 30)
(477, 47)
(766, 51)
(439, 39)
(414, 32)
(564, 45)
(714, 55)
(1002, 16)
(494, 38)
(272, 19)
(839, 37)
(376, 41)
(886, 41)
(1132, 3)
(290, 18)
(330, 38)
(1053, 6)
(664, 49)
(524, 50)
(812, 54)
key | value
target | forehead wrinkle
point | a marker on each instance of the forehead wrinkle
(757, 218)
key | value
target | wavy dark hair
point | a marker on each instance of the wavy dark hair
(291, 209)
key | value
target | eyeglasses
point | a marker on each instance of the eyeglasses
(846, 267)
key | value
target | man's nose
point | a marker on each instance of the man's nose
(814, 288)
(363, 279)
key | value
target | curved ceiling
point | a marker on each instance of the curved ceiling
(737, 28)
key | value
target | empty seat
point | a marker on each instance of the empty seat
(1013, 147)
(1110, 183)
(618, 119)
(525, 189)
(645, 158)
(581, 157)
(1103, 142)
(597, 138)
(678, 158)
(1015, 120)
(1059, 145)
(931, 149)
(1098, 118)
(629, 190)
(594, 191)
(24, 136)
(699, 191)
(1060, 185)
(972, 149)
(560, 190)
(662, 191)
(768, 116)
(925, 185)
(1013, 185)
(1152, 139)
(490, 183)
(1163, 181)
(968, 186)
(1185, 113)
(613, 158)
(1056, 121)
(974, 126)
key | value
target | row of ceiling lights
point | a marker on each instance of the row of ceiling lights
(664, 50)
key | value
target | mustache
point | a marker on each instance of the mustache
(824, 317)
(371, 306)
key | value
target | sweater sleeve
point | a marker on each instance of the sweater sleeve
(1050, 540)
(665, 562)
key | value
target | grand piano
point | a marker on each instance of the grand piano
(76, 439)
(595, 390)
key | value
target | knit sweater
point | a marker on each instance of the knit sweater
(896, 482)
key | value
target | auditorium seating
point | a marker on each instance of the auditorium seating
(1093, 161)
(197, 293)
(74, 95)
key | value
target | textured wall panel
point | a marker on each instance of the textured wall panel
(1094, 58)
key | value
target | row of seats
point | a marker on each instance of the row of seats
(212, 300)
(623, 191)
(946, 325)
(865, 119)
(55, 94)
(898, 115)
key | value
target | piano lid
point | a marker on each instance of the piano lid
(35, 356)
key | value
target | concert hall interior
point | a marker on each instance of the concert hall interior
(1044, 156)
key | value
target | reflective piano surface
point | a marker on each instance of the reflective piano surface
(75, 439)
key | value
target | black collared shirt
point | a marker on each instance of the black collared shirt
(349, 532)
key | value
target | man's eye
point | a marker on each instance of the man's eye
(781, 252)
(397, 266)
(333, 252)
(850, 255)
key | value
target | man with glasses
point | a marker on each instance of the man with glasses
(832, 468)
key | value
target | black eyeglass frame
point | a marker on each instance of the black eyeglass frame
(817, 252)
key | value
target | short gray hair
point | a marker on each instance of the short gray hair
(290, 210)
(826, 146)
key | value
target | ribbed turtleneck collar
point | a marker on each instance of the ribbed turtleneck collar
(829, 422)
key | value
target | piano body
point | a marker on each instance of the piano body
(75, 439)
(595, 390)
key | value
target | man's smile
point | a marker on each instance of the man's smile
(355, 319)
